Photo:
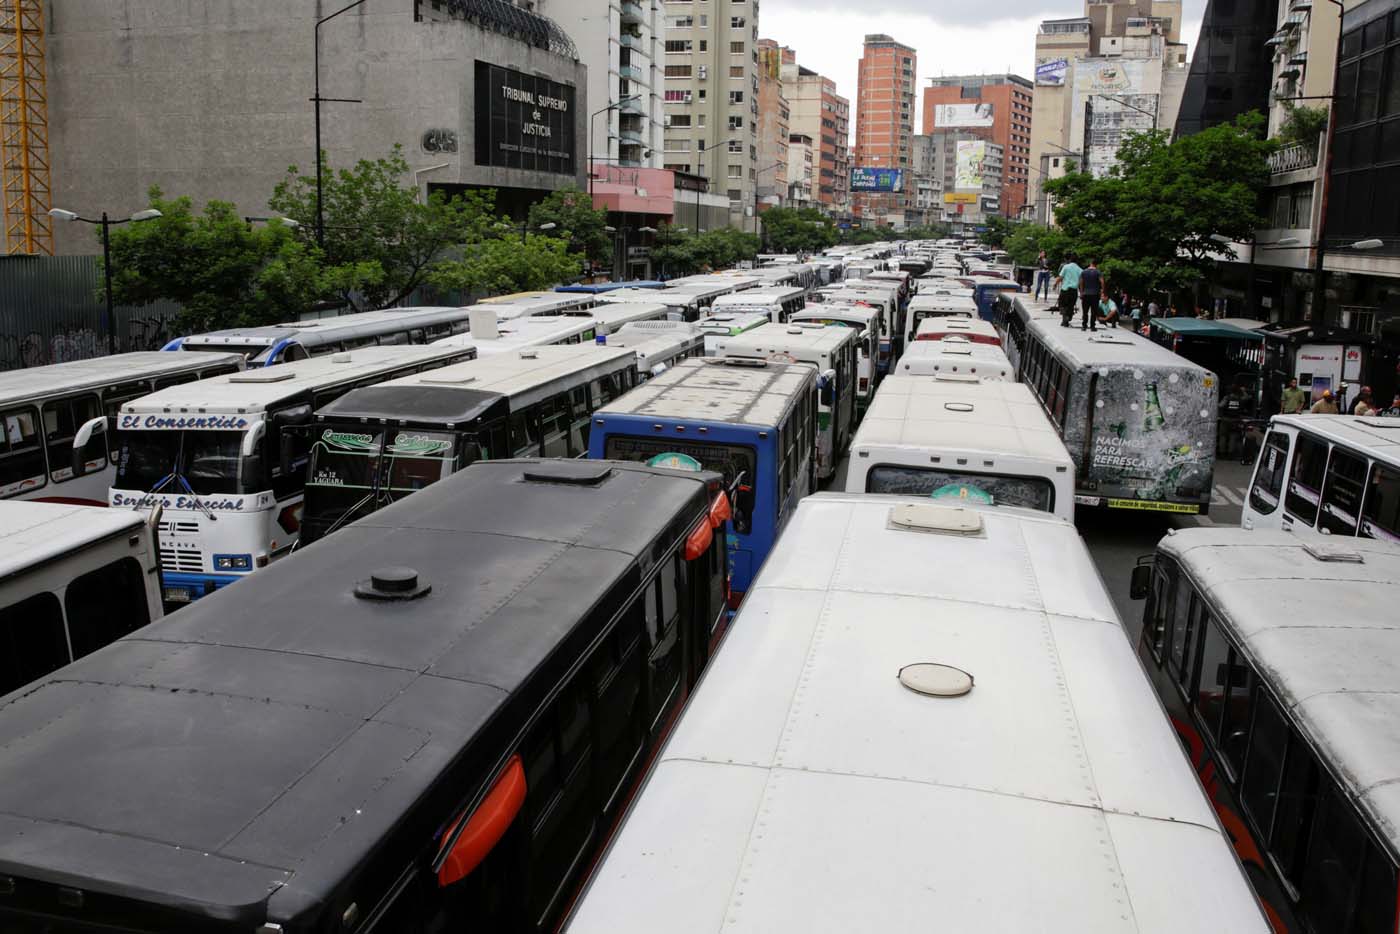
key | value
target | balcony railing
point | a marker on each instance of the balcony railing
(1292, 158)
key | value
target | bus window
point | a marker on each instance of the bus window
(62, 419)
(32, 643)
(21, 456)
(1341, 493)
(1309, 462)
(1288, 839)
(175, 380)
(554, 425)
(1183, 626)
(616, 670)
(1234, 728)
(1268, 738)
(1268, 479)
(1375, 908)
(663, 640)
(1214, 679)
(525, 433)
(1158, 611)
(582, 420)
(1336, 847)
(1382, 513)
(105, 604)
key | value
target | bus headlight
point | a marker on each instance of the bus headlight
(233, 562)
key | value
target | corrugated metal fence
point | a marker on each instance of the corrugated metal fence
(51, 310)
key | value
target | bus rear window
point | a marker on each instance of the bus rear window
(995, 489)
(728, 460)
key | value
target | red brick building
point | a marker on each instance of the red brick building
(884, 122)
(996, 108)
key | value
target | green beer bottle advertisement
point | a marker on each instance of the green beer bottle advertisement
(1153, 419)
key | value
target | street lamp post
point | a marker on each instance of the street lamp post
(591, 117)
(106, 224)
(316, 100)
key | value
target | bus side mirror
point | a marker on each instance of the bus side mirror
(1141, 583)
(102, 425)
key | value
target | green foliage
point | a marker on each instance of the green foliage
(861, 235)
(798, 230)
(681, 253)
(509, 264)
(1025, 242)
(1303, 125)
(381, 239)
(930, 232)
(998, 229)
(572, 213)
(1150, 223)
(223, 270)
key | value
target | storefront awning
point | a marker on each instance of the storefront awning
(1197, 327)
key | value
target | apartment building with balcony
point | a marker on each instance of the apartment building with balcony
(774, 127)
(710, 97)
(801, 170)
(824, 116)
(996, 107)
(884, 123)
(620, 42)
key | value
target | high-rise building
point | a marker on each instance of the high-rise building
(774, 120)
(927, 186)
(711, 98)
(621, 45)
(995, 107)
(884, 122)
(1119, 68)
(968, 168)
(801, 169)
(1231, 72)
(822, 115)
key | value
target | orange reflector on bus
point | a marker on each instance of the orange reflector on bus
(699, 541)
(719, 510)
(486, 825)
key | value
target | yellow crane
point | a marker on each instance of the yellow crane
(24, 128)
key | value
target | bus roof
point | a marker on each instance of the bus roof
(647, 340)
(254, 390)
(764, 295)
(1376, 435)
(672, 298)
(991, 416)
(714, 390)
(35, 533)
(929, 301)
(598, 288)
(732, 322)
(838, 311)
(929, 358)
(1325, 635)
(806, 789)
(328, 330)
(39, 381)
(1107, 346)
(241, 759)
(957, 325)
(792, 339)
(610, 317)
(458, 393)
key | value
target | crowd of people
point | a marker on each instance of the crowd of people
(1084, 288)
(1294, 400)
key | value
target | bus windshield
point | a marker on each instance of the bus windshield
(156, 461)
(992, 489)
(352, 473)
(728, 460)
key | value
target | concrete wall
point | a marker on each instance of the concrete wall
(209, 98)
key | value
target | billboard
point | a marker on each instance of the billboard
(868, 179)
(952, 197)
(967, 172)
(1051, 72)
(1111, 76)
(523, 121)
(957, 115)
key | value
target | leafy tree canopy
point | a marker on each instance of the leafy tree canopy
(223, 270)
(1152, 223)
(571, 212)
(680, 253)
(798, 230)
(509, 264)
(381, 239)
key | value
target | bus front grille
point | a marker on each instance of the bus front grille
(182, 559)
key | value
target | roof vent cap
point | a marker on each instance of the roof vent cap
(930, 517)
(933, 679)
(391, 584)
(1339, 554)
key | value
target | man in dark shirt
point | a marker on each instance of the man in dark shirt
(1090, 288)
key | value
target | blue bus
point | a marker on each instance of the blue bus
(753, 421)
(985, 292)
(599, 288)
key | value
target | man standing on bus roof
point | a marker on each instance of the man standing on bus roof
(1293, 399)
(1090, 288)
(1068, 284)
(1326, 405)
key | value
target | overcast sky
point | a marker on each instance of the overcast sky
(952, 37)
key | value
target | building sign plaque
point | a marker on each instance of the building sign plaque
(523, 121)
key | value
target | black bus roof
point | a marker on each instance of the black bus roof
(431, 405)
(243, 760)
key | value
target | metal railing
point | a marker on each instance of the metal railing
(1294, 157)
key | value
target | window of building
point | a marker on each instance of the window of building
(736, 48)
(737, 22)
(736, 145)
(736, 171)
(678, 71)
(676, 45)
(679, 121)
(704, 45)
(736, 71)
(736, 123)
(736, 97)
(682, 22)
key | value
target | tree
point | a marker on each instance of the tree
(1303, 125)
(509, 264)
(381, 239)
(1152, 224)
(862, 235)
(574, 217)
(998, 229)
(680, 253)
(798, 230)
(1025, 242)
(223, 270)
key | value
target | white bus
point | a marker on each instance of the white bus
(833, 352)
(1328, 475)
(717, 327)
(680, 305)
(983, 441)
(271, 344)
(541, 303)
(885, 297)
(926, 718)
(610, 317)
(51, 416)
(72, 579)
(955, 358)
(1276, 657)
(779, 304)
(489, 334)
(659, 345)
(375, 445)
(933, 304)
(974, 330)
(865, 319)
(222, 460)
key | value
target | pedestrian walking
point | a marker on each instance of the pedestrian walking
(1090, 288)
(1042, 276)
(1292, 399)
(1364, 403)
(1326, 405)
(1068, 284)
